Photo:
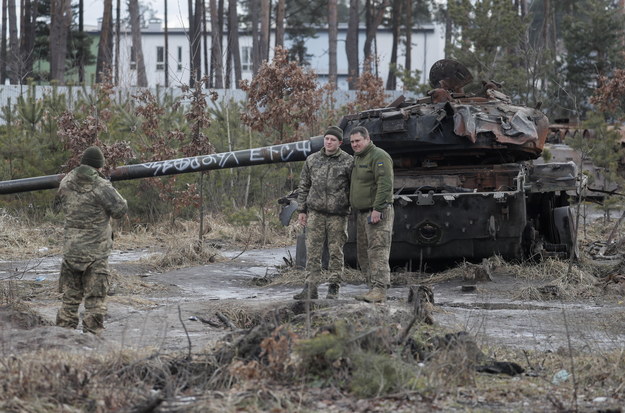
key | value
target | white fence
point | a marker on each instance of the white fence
(9, 94)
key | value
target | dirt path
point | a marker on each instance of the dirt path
(169, 311)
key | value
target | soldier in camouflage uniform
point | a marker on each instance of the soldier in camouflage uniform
(88, 202)
(323, 205)
(371, 195)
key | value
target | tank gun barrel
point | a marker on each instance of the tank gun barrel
(287, 152)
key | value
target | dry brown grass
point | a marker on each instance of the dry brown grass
(131, 381)
(58, 381)
(52, 380)
(293, 276)
(217, 231)
(22, 239)
(12, 291)
(172, 246)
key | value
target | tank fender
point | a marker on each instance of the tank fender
(288, 206)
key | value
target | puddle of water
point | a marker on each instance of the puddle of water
(268, 257)
(49, 266)
(533, 325)
(117, 256)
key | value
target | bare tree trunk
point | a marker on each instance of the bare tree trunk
(522, 8)
(391, 81)
(368, 38)
(264, 29)
(61, 14)
(408, 17)
(351, 44)
(332, 42)
(135, 27)
(448, 29)
(256, 55)
(207, 71)
(166, 34)
(14, 56)
(233, 43)
(3, 47)
(220, 29)
(105, 48)
(280, 12)
(117, 38)
(195, 19)
(216, 36)
(28, 11)
(374, 15)
(81, 30)
(228, 69)
(191, 37)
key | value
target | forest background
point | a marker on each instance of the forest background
(565, 56)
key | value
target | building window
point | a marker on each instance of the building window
(160, 58)
(246, 58)
(133, 59)
(179, 58)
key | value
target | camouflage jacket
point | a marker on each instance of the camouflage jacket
(88, 202)
(324, 183)
(372, 179)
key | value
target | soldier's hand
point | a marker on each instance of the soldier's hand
(376, 216)
(302, 218)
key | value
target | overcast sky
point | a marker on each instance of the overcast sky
(176, 9)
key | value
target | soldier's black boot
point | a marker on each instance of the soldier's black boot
(333, 291)
(308, 293)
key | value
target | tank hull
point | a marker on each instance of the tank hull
(460, 213)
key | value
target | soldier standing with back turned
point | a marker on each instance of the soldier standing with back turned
(323, 205)
(88, 201)
(371, 195)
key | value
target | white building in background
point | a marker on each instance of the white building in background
(428, 47)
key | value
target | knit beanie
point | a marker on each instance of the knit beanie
(335, 131)
(93, 156)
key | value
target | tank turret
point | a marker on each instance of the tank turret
(449, 127)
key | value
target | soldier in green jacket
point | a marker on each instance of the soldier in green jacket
(323, 205)
(88, 201)
(371, 195)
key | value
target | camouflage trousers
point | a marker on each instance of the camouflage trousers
(321, 227)
(373, 247)
(88, 280)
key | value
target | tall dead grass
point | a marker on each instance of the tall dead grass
(173, 245)
(21, 238)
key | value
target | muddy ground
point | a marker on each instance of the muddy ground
(191, 309)
(164, 310)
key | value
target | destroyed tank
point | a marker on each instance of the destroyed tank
(465, 184)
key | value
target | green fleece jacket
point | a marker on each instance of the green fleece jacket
(372, 179)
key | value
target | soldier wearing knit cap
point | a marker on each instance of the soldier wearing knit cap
(93, 156)
(323, 205)
(335, 131)
(88, 201)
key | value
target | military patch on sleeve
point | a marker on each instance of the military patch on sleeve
(380, 168)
